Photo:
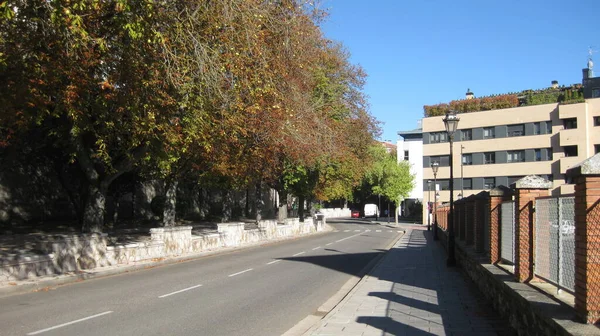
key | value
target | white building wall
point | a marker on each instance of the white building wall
(415, 158)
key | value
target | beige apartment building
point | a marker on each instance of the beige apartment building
(501, 146)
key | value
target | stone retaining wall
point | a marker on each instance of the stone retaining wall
(71, 253)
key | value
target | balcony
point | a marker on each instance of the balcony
(568, 162)
(570, 137)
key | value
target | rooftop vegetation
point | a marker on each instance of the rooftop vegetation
(563, 95)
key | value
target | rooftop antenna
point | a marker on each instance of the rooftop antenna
(591, 52)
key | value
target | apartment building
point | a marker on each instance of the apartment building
(498, 147)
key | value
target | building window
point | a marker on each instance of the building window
(467, 184)
(443, 160)
(406, 156)
(489, 183)
(570, 150)
(538, 154)
(467, 159)
(595, 92)
(597, 121)
(466, 134)
(516, 130)
(515, 156)
(489, 157)
(596, 149)
(550, 154)
(570, 123)
(438, 137)
(548, 127)
(537, 128)
(489, 133)
(444, 184)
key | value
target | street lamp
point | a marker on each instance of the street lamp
(451, 123)
(429, 205)
(434, 167)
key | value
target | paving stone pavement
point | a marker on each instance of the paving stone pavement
(412, 292)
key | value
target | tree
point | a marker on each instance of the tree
(389, 178)
(89, 76)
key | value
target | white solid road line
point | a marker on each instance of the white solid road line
(179, 291)
(244, 271)
(316, 248)
(69, 323)
(297, 254)
(378, 231)
(274, 261)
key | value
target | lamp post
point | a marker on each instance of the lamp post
(429, 205)
(451, 123)
(434, 167)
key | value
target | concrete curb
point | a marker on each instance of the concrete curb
(11, 288)
(324, 312)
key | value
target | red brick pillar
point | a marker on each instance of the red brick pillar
(527, 190)
(497, 196)
(586, 177)
(478, 221)
(469, 219)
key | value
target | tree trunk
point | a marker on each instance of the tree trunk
(94, 210)
(227, 206)
(170, 204)
(301, 208)
(247, 205)
(258, 201)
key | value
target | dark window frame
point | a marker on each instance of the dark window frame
(406, 155)
(492, 131)
(470, 184)
(520, 156)
(486, 160)
(570, 123)
(537, 154)
(537, 128)
(466, 134)
(515, 130)
(469, 161)
(596, 120)
(487, 184)
(571, 151)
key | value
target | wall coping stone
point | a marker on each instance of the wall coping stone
(170, 229)
(532, 182)
(589, 166)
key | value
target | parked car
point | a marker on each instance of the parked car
(355, 214)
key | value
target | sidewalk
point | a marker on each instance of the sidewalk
(412, 292)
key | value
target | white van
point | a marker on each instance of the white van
(371, 210)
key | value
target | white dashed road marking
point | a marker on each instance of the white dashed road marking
(316, 248)
(179, 291)
(69, 323)
(274, 261)
(297, 254)
(238, 273)
(378, 231)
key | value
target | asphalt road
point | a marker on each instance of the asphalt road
(263, 290)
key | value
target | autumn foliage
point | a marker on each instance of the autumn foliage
(241, 90)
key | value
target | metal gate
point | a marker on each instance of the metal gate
(555, 240)
(507, 232)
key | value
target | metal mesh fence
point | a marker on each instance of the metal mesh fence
(593, 252)
(507, 232)
(555, 241)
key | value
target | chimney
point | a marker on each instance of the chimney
(469, 94)
(554, 84)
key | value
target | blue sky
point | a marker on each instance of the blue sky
(431, 51)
